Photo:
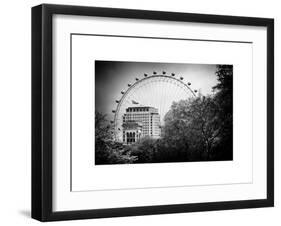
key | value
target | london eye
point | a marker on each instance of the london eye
(158, 90)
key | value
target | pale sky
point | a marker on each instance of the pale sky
(111, 77)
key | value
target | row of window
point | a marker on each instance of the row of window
(129, 140)
(131, 134)
(142, 114)
(136, 109)
(137, 119)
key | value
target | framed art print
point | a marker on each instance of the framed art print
(146, 112)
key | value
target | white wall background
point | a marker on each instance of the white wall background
(15, 112)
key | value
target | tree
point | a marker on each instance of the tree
(224, 98)
(194, 124)
(144, 150)
(205, 123)
(176, 138)
(107, 151)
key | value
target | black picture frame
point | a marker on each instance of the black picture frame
(42, 111)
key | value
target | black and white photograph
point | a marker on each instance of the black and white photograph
(149, 112)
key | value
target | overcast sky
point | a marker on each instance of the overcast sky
(111, 77)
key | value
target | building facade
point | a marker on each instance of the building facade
(140, 122)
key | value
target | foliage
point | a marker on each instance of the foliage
(108, 151)
(203, 126)
(195, 125)
(224, 97)
(143, 149)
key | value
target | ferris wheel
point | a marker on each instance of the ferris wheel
(158, 90)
